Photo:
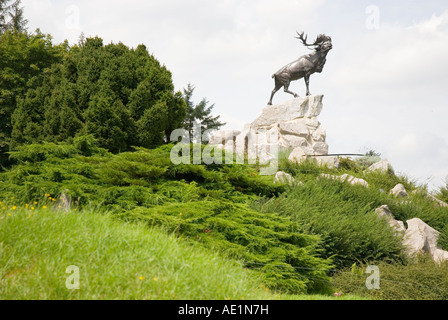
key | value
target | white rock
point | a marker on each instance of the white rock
(353, 180)
(221, 137)
(439, 202)
(300, 154)
(420, 237)
(312, 123)
(304, 107)
(287, 141)
(297, 155)
(347, 178)
(331, 162)
(384, 212)
(430, 197)
(320, 148)
(295, 127)
(440, 255)
(319, 134)
(283, 177)
(289, 125)
(383, 166)
(399, 191)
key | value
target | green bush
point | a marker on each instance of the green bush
(285, 258)
(343, 215)
(421, 280)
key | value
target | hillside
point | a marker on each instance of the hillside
(305, 238)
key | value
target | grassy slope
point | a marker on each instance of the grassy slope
(116, 261)
(194, 201)
(219, 205)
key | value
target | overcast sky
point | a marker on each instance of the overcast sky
(385, 82)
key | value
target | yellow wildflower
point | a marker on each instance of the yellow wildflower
(14, 207)
(141, 278)
(155, 279)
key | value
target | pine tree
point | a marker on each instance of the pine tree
(199, 114)
(23, 58)
(152, 124)
(4, 8)
(17, 22)
(11, 16)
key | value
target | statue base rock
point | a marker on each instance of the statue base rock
(291, 125)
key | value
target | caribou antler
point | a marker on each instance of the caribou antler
(319, 39)
(301, 38)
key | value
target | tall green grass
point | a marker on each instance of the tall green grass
(116, 261)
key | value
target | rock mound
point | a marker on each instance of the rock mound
(291, 125)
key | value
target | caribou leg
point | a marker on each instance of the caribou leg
(276, 88)
(307, 82)
(286, 89)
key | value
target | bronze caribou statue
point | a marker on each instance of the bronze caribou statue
(304, 66)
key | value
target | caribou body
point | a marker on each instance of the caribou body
(304, 66)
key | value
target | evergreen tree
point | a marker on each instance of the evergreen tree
(3, 14)
(122, 96)
(107, 118)
(11, 16)
(152, 125)
(199, 115)
(17, 21)
(23, 58)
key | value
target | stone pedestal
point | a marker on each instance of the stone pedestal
(291, 125)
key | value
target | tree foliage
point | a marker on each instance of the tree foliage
(11, 16)
(200, 114)
(24, 58)
(123, 96)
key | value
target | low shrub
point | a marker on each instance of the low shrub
(420, 280)
(344, 217)
(286, 259)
